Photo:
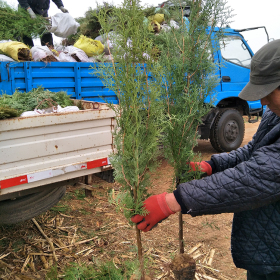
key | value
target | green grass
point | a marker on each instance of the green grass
(79, 194)
(99, 271)
(18, 244)
(60, 208)
(84, 212)
(211, 225)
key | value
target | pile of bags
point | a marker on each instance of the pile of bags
(85, 49)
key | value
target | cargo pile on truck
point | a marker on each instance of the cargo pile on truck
(86, 45)
(36, 102)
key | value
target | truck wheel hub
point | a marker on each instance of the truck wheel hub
(231, 131)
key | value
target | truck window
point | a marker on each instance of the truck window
(234, 50)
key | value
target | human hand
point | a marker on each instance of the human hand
(202, 166)
(63, 10)
(158, 210)
(31, 13)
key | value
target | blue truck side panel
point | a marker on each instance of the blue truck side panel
(77, 79)
(74, 78)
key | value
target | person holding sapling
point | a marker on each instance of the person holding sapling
(245, 182)
(36, 7)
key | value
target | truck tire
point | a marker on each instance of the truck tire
(227, 132)
(29, 206)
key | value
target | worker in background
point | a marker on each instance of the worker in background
(245, 181)
(40, 7)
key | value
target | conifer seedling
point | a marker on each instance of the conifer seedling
(139, 109)
(160, 93)
(186, 57)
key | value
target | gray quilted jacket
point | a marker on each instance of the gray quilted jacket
(246, 182)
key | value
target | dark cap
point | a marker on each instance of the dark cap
(265, 72)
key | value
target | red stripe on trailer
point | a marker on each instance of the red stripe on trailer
(97, 163)
(13, 182)
(24, 179)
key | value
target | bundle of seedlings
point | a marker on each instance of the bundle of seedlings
(188, 78)
(7, 112)
(16, 23)
(23, 54)
(28, 101)
(138, 113)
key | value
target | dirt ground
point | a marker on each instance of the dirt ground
(84, 229)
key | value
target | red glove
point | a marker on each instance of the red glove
(203, 166)
(158, 211)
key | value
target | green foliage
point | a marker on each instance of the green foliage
(139, 111)
(105, 271)
(124, 201)
(188, 78)
(28, 101)
(14, 24)
(80, 194)
(61, 208)
(6, 112)
(18, 244)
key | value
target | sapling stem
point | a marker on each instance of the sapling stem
(181, 234)
(140, 253)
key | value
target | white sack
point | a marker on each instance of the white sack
(5, 58)
(67, 109)
(30, 114)
(41, 52)
(63, 57)
(63, 25)
(71, 50)
(58, 109)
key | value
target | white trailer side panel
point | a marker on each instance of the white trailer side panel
(58, 144)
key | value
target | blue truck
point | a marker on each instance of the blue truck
(224, 124)
(40, 155)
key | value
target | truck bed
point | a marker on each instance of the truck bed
(76, 78)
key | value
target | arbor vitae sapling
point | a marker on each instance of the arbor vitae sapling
(139, 111)
(186, 58)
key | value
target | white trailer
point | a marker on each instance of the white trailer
(40, 155)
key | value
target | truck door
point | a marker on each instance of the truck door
(235, 60)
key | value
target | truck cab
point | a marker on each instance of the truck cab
(224, 124)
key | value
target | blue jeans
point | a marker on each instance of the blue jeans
(271, 276)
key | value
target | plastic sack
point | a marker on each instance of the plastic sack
(30, 114)
(17, 50)
(101, 58)
(109, 39)
(67, 109)
(110, 42)
(76, 53)
(89, 46)
(43, 53)
(174, 24)
(63, 25)
(65, 57)
(157, 17)
(50, 110)
(5, 58)
(154, 26)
